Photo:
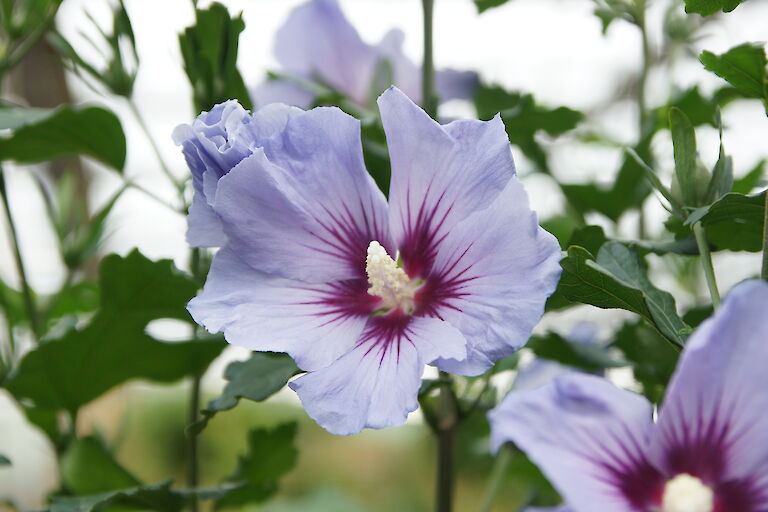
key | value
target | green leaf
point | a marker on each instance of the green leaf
(735, 222)
(749, 181)
(65, 131)
(68, 372)
(209, 49)
(271, 454)
(4, 461)
(618, 280)
(742, 66)
(524, 119)
(258, 378)
(626, 264)
(484, 5)
(653, 359)
(159, 497)
(590, 238)
(577, 355)
(708, 7)
(87, 467)
(684, 142)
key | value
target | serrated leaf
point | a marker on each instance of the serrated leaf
(87, 467)
(271, 454)
(68, 372)
(159, 497)
(65, 131)
(258, 378)
(709, 7)
(743, 67)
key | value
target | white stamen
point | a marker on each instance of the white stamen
(387, 280)
(686, 493)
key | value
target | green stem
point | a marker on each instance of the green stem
(706, 263)
(29, 300)
(641, 97)
(447, 420)
(156, 149)
(497, 476)
(428, 95)
(193, 469)
(764, 273)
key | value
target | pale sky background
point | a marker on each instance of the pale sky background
(554, 49)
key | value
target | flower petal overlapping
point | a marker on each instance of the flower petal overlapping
(297, 215)
(708, 452)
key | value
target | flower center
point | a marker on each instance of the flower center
(388, 281)
(686, 493)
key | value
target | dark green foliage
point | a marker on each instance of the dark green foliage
(735, 222)
(42, 134)
(118, 74)
(4, 461)
(524, 118)
(209, 49)
(708, 7)
(271, 454)
(743, 67)
(158, 497)
(258, 378)
(87, 467)
(653, 360)
(70, 371)
(618, 279)
(577, 355)
(484, 5)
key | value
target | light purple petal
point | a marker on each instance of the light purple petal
(212, 145)
(318, 41)
(588, 436)
(714, 422)
(279, 90)
(315, 324)
(491, 278)
(305, 208)
(406, 74)
(456, 85)
(377, 383)
(440, 174)
(561, 508)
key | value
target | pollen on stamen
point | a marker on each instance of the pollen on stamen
(686, 493)
(388, 281)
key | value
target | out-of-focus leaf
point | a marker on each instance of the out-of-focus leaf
(700, 110)
(577, 355)
(708, 7)
(629, 190)
(4, 461)
(609, 11)
(749, 181)
(591, 238)
(82, 297)
(735, 222)
(484, 5)
(87, 467)
(159, 497)
(524, 118)
(618, 280)
(684, 142)
(68, 372)
(65, 131)
(118, 46)
(258, 378)
(653, 360)
(271, 454)
(743, 67)
(12, 305)
(562, 226)
(209, 49)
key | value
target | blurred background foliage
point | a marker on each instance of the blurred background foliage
(169, 443)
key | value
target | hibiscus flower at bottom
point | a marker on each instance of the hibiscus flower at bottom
(708, 452)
